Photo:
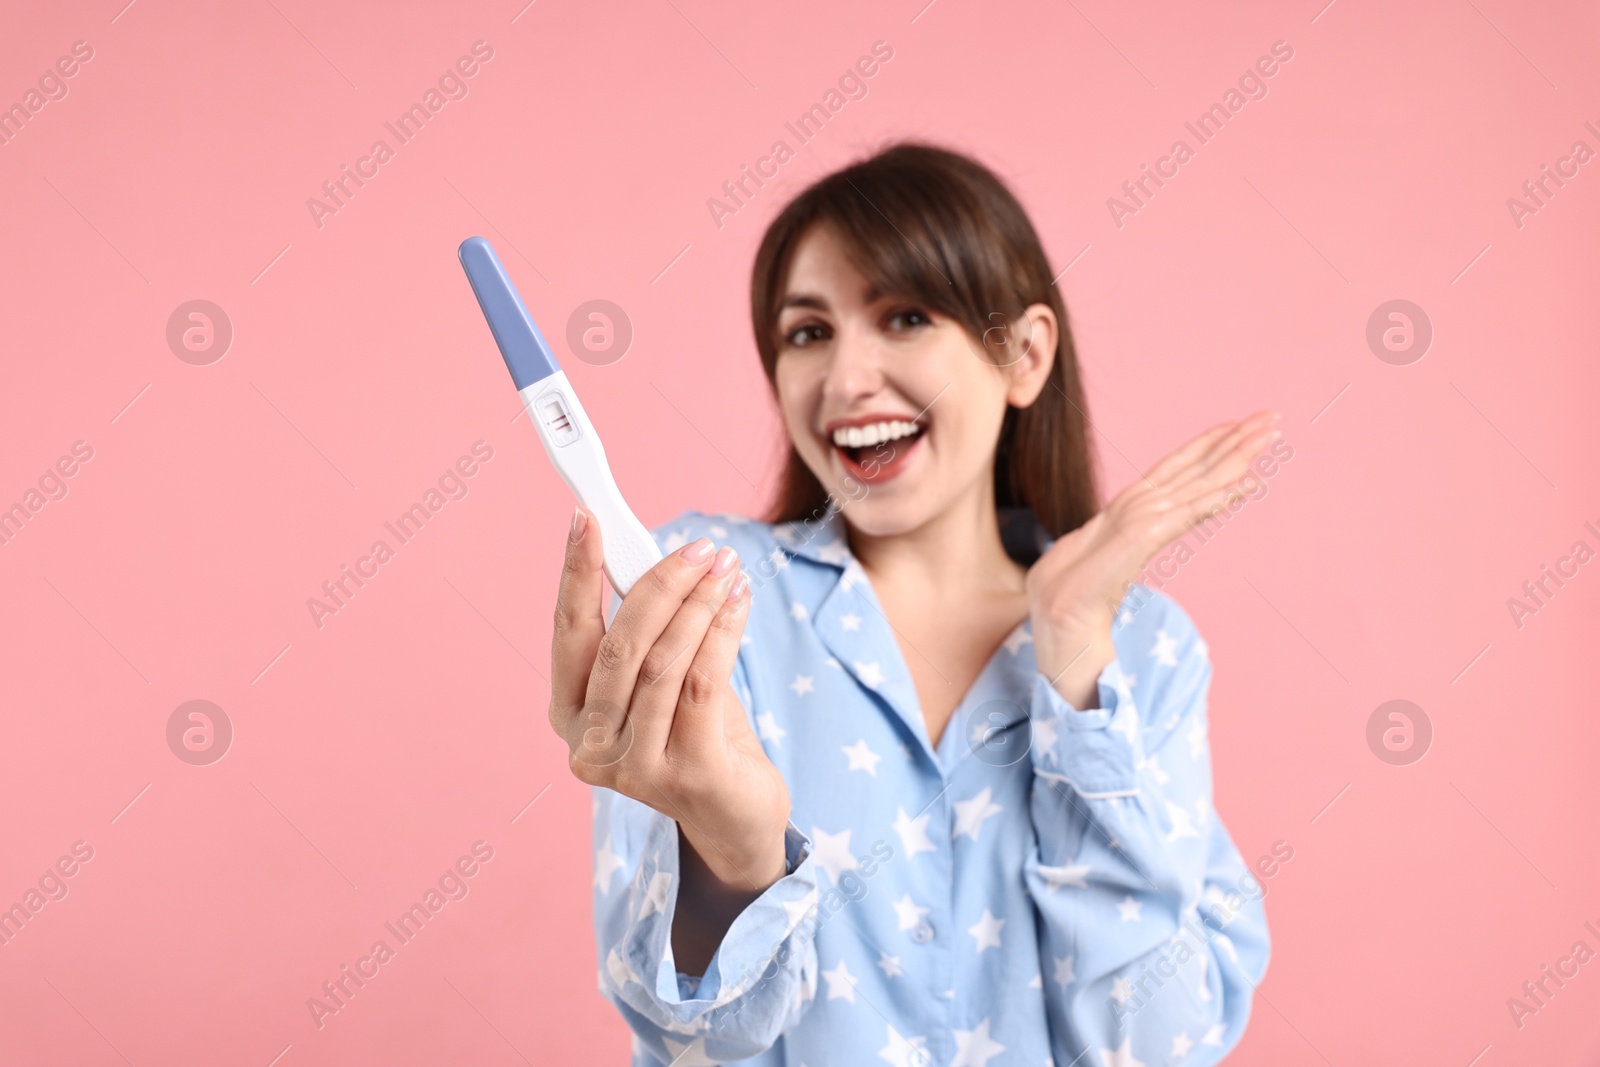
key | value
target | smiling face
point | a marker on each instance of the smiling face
(894, 408)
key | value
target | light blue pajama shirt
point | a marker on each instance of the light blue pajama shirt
(1048, 885)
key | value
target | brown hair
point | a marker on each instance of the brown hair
(937, 227)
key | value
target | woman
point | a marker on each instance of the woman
(927, 779)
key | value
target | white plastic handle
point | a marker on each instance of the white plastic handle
(578, 455)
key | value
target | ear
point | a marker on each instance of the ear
(1032, 353)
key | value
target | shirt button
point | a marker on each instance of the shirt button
(922, 933)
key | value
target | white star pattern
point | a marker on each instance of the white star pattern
(1061, 877)
(768, 729)
(606, 864)
(908, 912)
(1165, 649)
(974, 1048)
(798, 909)
(840, 983)
(861, 757)
(833, 852)
(691, 1055)
(1121, 1056)
(1181, 826)
(971, 813)
(913, 832)
(1087, 797)
(1126, 722)
(1064, 974)
(987, 931)
(618, 971)
(905, 1051)
(655, 898)
(1045, 734)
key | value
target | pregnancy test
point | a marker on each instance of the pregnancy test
(568, 435)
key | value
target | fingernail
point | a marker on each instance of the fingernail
(697, 551)
(724, 561)
(739, 587)
(580, 522)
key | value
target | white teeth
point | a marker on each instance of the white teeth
(876, 433)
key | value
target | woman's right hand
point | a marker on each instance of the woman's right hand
(647, 708)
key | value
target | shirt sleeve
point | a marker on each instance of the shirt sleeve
(763, 974)
(1152, 929)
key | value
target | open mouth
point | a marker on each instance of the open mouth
(877, 451)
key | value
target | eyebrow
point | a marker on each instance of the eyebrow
(809, 300)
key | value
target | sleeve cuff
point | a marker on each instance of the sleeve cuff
(754, 944)
(1097, 752)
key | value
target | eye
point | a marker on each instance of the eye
(805, 334)
(907, 319)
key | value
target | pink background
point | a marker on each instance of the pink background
(370, 754)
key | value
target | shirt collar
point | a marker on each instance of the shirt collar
(818, 538)
(822, 538)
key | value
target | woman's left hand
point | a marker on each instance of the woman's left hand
(1075, 588)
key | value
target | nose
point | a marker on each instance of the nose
(855, 369)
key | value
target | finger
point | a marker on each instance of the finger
(579, 624)
(645, 612)
(1180, 466)
(1219, 483)
(661, 674)
(1171, 469)
(698, 721)
(1177, 460)
(1198, 459)
(1237, 447)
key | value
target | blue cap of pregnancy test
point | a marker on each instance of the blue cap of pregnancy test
(527, 355)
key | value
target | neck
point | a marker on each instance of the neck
(956, 552)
